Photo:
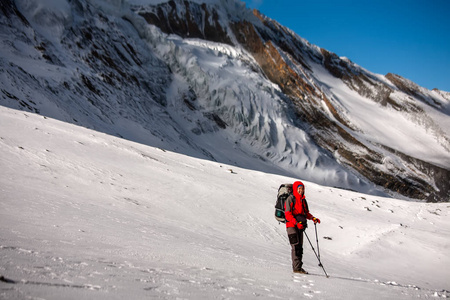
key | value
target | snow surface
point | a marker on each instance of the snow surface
(85, 215)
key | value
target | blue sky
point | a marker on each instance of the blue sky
(410, 38)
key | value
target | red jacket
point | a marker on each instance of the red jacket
(296, 208)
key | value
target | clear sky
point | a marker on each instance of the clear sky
(410, 38)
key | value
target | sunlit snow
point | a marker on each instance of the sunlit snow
(85, 215)
(177, 209)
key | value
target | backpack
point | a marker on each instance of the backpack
(284, 191)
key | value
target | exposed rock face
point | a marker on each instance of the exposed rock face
(187, 19)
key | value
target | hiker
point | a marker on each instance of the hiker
(296, 213)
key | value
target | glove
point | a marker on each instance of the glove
(300, 225)
(315, 220)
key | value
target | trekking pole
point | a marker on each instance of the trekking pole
(317, 241)
(318, 258)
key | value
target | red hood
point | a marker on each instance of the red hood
(294, 190)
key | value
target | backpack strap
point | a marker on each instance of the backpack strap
(305, 207)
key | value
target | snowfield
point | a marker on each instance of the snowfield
(85, 215)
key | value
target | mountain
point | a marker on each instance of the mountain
(87, 215)
(214, 80)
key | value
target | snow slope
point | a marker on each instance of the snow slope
(86, 215)
(388, 126)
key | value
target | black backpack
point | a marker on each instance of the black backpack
(284, 191)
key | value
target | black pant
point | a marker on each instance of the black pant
(295, 236)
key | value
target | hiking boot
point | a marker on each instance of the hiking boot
(301, 271)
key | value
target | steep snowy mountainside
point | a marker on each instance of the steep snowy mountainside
(211, 79)
(122, 77)
(84, 77)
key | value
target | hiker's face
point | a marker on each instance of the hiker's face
(301, 189)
